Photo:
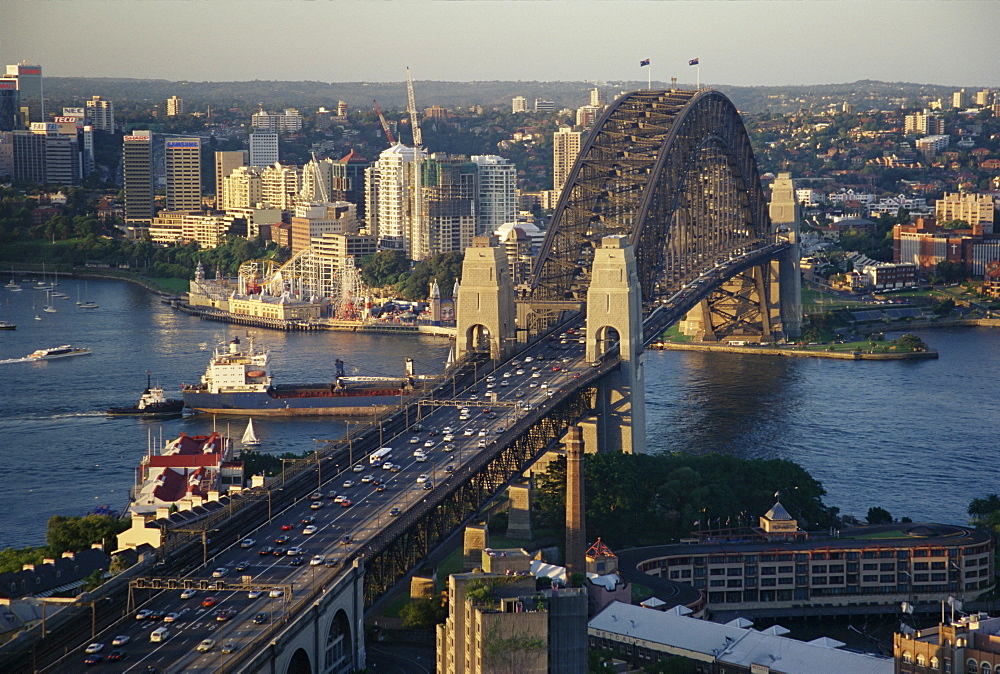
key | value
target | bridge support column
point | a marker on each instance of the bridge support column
(485, 320)
(785, 218)
(614, 313)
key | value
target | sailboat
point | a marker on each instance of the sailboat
(48, 308)
(249, 437)
(12, 285)
(89, 304)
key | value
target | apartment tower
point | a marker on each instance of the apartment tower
(565, 148)
(225, 163)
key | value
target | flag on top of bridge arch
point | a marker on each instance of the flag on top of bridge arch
(644, 62)
(693, 62)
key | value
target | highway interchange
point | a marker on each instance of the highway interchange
(374, 492)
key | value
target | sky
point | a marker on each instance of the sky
(745, 43)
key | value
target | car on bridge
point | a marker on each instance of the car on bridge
(248, 543)
(359, 468)
(380, 487)
(316, 505)
(261, 618)
(230, 646)
(94, 648)
(281, 540)
(348, 484)
(294, 551)
(317, 560)
(93, 659)
(275, 593)
(287, 527)
(188, 593)
(266, 550)
(208, 602)
(367, 479)
(116, 655)
(120, 640)
(224, 615)
(255, 594)
(346, 503)
(220, 572)
(422, 478)
(242, 566)
(171, 617)
(395, 511)
(205, 646)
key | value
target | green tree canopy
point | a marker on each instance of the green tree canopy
(383, 268)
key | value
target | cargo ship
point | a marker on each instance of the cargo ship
(238, 381)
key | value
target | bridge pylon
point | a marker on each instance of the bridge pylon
(485, 315)
(614, 313)
(785, 218)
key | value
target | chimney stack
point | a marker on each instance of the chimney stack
(576, 535)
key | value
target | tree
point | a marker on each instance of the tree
(877, 515)
(948, 271)
(911, 342)
(383, 268)
(944, 307)
(423, 613)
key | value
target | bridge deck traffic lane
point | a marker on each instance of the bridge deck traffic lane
(363, 520)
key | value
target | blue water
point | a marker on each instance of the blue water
(914, 437)
(61, 454)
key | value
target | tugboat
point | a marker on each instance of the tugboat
(152, 403)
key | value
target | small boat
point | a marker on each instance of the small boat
(64, 351)
(4, 325)
(89, 305)
(13, 287)
(249, 437)
(37, 317)
(152, 403)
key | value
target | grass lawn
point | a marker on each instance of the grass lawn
(640, 593)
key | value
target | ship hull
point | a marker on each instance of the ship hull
(291, 402)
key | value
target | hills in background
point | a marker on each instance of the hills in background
(307, 95)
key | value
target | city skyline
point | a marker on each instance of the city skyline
(792, 43)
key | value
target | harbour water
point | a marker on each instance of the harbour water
(62, 455)
(914, 437)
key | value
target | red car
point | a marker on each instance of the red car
(287, 527)
(208, 602)
(346, 503)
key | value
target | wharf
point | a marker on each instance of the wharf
(795, 351)
(208, 314)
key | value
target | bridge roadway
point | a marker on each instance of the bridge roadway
(370, 512)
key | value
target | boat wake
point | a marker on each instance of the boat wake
(7, 361)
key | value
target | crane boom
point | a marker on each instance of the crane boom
(414, 122)
(385, 124)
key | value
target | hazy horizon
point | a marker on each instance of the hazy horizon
(737, 42)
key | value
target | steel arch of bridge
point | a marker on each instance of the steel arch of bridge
(675, 173)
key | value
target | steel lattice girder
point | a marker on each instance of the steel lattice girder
(737, 305)
(403, 545)
(671, 170)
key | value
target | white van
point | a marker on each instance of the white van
(159, 634)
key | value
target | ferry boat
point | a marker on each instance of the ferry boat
(152, 403)
(64, 351)
(238, 381)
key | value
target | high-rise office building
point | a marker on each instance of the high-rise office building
(542, 105)
(183, 161)
(983, 98)
(596, 98)
(496, 199)
(958, 99)
(101, 114)
(348, 176)
(519, 104)
(175, 106)
(137, 163)
(30, 90)
(225, 163)
(565, 148)
(444, 217)
(263, 148)
(10, 112)
(45, 156)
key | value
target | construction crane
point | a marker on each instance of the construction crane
(414, 122)
(385, 124)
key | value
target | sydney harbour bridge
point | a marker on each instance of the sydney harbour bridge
(663, 217)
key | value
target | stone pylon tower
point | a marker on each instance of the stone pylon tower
(785, 219)
(576, 532)
(485, 312)
(614, 313)
(435, 303)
